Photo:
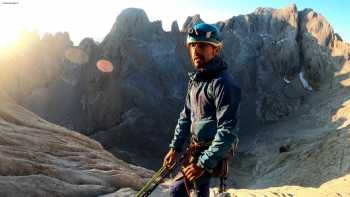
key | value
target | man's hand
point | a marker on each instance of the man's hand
(192, 172)
(170, 158)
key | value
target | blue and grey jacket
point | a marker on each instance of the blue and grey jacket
(209, 113)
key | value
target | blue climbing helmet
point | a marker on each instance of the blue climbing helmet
(203, 32)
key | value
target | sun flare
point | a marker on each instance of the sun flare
(14, 21)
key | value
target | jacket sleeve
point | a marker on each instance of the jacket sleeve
(183, 126)
(227, 99)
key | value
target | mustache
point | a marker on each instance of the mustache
(197, 55)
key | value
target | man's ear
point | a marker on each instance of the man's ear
(216, 50)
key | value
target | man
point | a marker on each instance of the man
(209, 113)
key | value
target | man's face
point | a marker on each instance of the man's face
(202, 53)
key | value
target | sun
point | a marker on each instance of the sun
(14, 20)
(15, 38)
(7, 37)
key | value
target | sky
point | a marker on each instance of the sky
(94, 18)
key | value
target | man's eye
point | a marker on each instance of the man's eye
(201, 45)
(197, 45)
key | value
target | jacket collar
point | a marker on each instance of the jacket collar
(209, 70)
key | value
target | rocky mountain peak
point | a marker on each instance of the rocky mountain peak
(88, 45)
(130, 23)
(190, 21)
(318, 27)
(175, 27)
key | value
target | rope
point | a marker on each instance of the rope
(164, 171)
(185, 182)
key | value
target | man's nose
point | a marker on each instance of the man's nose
(197, 47)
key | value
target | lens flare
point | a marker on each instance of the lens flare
(76, 56)
(104, 66)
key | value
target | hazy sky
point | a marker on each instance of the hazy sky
(94, 18)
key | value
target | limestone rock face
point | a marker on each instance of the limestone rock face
(316, 40)
(38, 158)
(262, 49)
(139, 96)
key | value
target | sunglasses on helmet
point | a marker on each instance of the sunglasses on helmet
(197, 33)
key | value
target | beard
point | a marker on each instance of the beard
(198, 61)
